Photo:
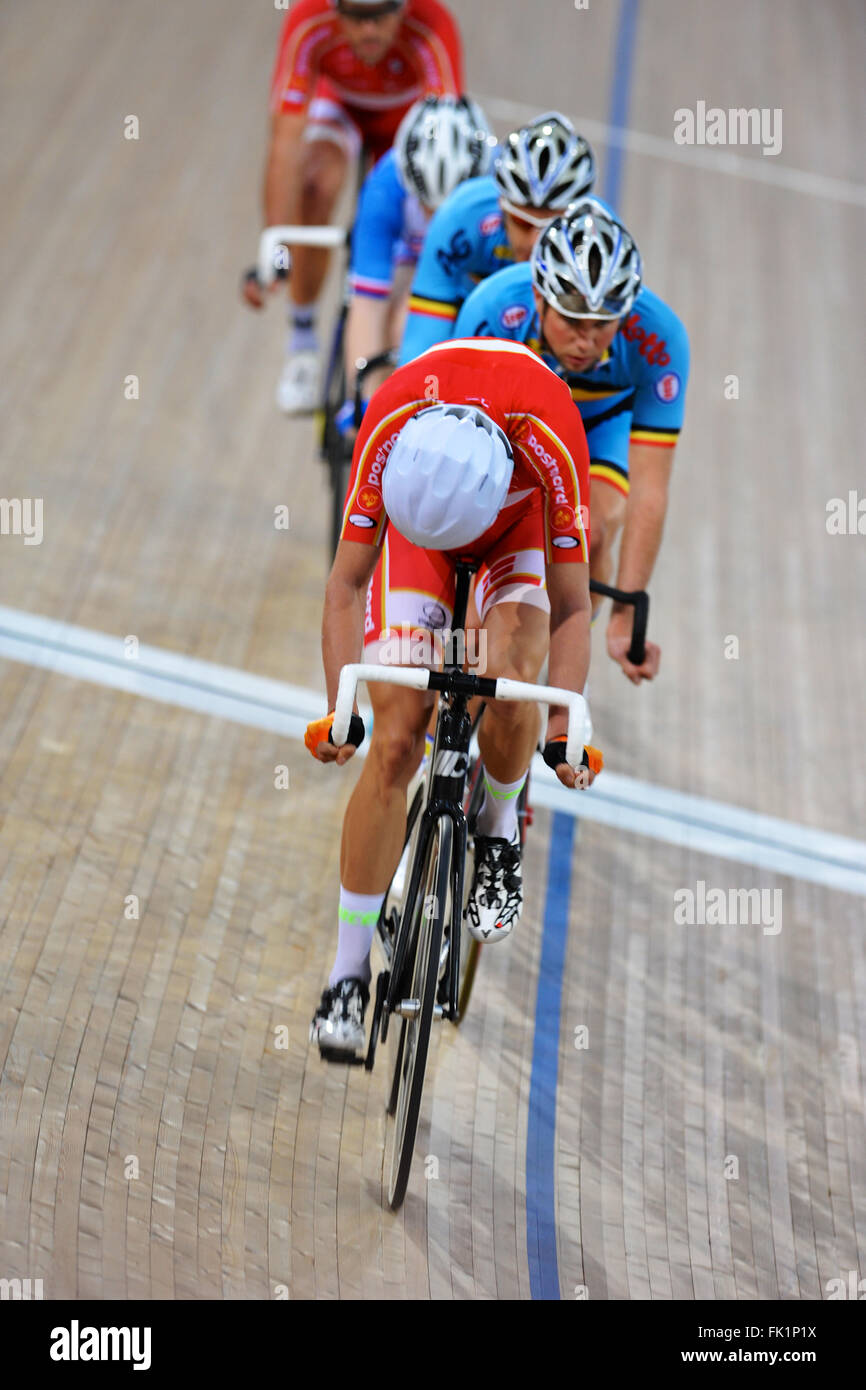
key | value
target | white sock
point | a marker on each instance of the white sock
(302, 329)
(498, 814)
(358, 915)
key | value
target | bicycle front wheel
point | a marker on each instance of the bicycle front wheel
(421, 977)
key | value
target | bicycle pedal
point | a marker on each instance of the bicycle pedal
(338, 1058)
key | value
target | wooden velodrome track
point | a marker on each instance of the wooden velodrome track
(707, 1141)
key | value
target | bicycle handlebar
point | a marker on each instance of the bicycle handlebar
(639, 600)
(272, 237)
(419, 678)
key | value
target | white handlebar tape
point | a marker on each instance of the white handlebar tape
(418, 678)
(412, 677)
(550, 695)
(272, 237)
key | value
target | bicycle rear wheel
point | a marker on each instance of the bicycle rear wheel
(420, 979)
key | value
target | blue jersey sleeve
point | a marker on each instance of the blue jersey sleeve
(458, 249)
(658, 347)
(378, 230)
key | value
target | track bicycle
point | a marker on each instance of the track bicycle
(421, 940)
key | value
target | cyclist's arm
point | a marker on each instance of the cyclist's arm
(366, 334)
(343, 616)
(375, 236)
(282, 190)
(649, 471)
(570, 614)
(292, 83)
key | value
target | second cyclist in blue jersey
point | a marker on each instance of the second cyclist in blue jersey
(489, 223)
(441, 142)
(624, 354)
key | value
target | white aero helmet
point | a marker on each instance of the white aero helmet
(447, 476)
(545, 164)
(585, 263)
(440, 142)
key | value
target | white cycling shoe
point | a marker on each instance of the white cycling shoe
(298, 386)
(496, 897)
(338, 1023)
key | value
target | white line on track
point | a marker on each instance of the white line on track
(762, 169)
(693, 822)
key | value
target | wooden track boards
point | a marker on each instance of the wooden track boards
(154, 1040)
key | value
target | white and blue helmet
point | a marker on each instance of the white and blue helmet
(441, 141)
(447, 476)
(546, 164)
(586, 264)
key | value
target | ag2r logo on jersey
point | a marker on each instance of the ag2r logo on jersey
(459, 249)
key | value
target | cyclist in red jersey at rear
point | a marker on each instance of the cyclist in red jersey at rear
(346, 73)
(474, 448)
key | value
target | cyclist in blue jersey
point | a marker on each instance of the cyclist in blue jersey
(488, 223)
(441, 141)
(625, 356)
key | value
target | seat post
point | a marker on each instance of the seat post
(465, 569)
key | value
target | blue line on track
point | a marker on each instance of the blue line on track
(619, 97)
(541, 1134)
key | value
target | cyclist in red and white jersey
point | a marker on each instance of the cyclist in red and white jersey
(474, 448)
(346, 73)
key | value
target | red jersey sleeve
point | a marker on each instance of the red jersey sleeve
(308, 26)
(434, 35)
(551, 440)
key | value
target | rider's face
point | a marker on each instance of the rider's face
(577, 344)
(370, 35)
(522, 235)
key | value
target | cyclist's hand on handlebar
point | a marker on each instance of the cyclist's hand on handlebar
(253, 292)
(618, 643)
(318, 740)
(580, 777)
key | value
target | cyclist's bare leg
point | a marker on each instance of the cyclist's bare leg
(517, 636)
(323, 175)
(606, 517)
(375, 820)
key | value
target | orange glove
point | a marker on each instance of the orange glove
(593, 758)
(317, 733)
(320, 732)
(554, 754)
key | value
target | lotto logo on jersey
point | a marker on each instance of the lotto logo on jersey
(514, 316)
(562, 519)
(667, 388)
(369, 499)
(490, 224)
